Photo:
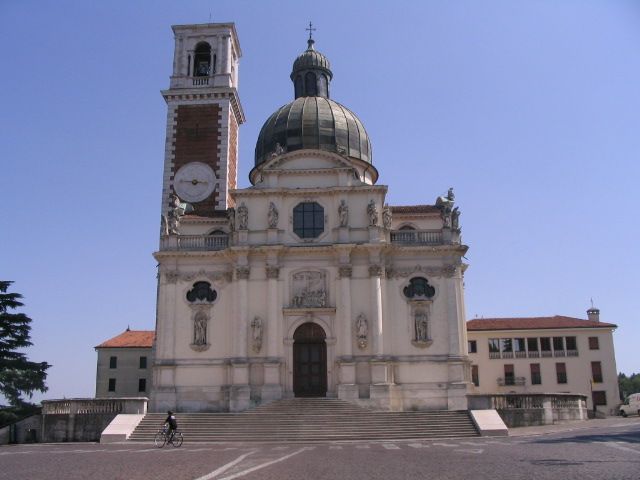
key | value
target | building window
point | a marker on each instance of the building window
(308, 220)
(545, 346)
(419, 287)
(594, 344)
(596, 372)
(558, 346)
(599, 397)
(202, 292)
(519, 348)
(532, 347)
(561, 372)
(509, 375)
(506, 347)
(472, 346)
(536, 379)
(572, 346)
(113, 362)
(142, 384)
(112, 384)
(494, 348)
(143, 362)
(474, 375)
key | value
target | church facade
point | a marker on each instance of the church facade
(307, 283)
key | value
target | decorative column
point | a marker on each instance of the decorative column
(375, 272)
(240, 391)
(347, 388)
(272, 390)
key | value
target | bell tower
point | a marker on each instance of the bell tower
(203, 116)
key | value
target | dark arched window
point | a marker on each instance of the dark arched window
(311, 89)
(298, 86)
(202, 60)
(406, 227)
(419, 287)
(308, 219)
(202, 292)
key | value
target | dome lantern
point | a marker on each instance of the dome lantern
(311, 73)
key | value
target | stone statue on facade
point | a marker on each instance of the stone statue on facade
(445, 204)
(386, 217)
(272, 216)
(256, 334)
(422, 326)
(231, 213)
(174, 214)
(362, 330)
(343, 213)
(455, 219)
(243, 216)
(372, 212)
(279, 150)
(200, 328)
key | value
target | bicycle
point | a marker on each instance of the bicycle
(163, 437)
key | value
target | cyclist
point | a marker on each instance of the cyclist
(172, 423)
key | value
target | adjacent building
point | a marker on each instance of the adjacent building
(545, 355)
(124, 365)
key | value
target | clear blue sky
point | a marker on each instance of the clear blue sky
(529, 109)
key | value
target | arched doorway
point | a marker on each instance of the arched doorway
(309, 361)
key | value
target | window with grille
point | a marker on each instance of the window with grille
(594, 344)
(142, 385)
(599, 397)
(596, 372)
(472, 346)
(143, 362)
(561, 372)
(308, 220)
(112, 384)
(536, 379)
(474, 375)
(113, 362)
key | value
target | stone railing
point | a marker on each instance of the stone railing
(508, 381)
(416, 237)
(88, 406)
(194, 242)
(520, 410)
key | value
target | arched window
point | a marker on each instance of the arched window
(311, 89)
(406, 227)
(202, 60)
(323, 90)
(298, 86)
(308, 220)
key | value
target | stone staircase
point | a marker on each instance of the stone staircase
(312, 420)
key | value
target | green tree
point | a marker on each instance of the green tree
(18, 376)
(628, 385)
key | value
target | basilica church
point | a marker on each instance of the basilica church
(307, 283)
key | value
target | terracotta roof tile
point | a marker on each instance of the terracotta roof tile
(400, 209)
(529, 323)
(130, 339)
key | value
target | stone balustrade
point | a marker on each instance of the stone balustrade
(526, 409)
(194, 242)
(83, 406)
(416, 237)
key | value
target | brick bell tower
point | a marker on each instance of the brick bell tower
(203, 116)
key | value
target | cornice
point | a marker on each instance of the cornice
(299, 192)
(207, 93)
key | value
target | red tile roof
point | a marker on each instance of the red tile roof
(130, 339)
(530, 323)
(400, 209)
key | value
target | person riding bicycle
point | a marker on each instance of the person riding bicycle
(172, 425)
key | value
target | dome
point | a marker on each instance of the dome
(311, 59)
(313, 122)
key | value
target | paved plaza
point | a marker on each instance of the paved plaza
(607, 449)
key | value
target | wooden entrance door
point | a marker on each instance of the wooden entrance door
(309, 361)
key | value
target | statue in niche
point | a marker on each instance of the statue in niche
(309, 290)
(243, 216)
(256, 333)
(445, 204)
(362, 329)
(386, 217)
(372, 212)
(200, 328)
(272, 216)
(422, 326)
(343, 213)
(455, 219)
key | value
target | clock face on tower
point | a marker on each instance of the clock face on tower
(194, 182)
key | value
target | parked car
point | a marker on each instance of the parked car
(631, 405)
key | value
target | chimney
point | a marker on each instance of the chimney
(593, 314)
